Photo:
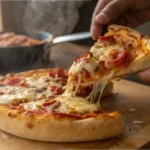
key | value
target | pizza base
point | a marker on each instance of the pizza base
(46, 128)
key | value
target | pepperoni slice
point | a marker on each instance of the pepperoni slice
(86, 74)
(1, 93)
(107, 38)
(49, 103)
(13, 81)
(115, 59)
(39, 112)
(63, 115)
(60, 72)
(84, 58)
(57, 90)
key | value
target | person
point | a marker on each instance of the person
(131, 13)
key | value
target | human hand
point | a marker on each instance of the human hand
(145, 76)
(125, 12)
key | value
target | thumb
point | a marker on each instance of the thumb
(112, 10)
(145, 76)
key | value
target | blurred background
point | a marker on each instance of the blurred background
(58, 18)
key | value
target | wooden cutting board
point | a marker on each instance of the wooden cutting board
(126, 95)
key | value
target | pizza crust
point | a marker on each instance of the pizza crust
(46, 128)
(142, 63)
(130, 31)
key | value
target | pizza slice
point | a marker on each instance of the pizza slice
(119, 52)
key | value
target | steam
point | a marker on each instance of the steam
(56, 17)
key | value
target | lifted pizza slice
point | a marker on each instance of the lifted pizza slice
(119, 52)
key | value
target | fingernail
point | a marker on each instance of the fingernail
(102, 18)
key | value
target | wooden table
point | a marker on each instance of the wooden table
(126, 95)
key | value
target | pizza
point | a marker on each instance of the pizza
(121, 51)
(57, 106)
(34, 105)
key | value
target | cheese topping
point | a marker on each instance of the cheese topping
(33, 105)
(88, 66)
(99, 54)
(37, 88)
(68, 104)
(78, 104)
(14, 93)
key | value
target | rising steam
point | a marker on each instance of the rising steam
(56, 17)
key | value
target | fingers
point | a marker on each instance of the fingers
(134, 18)
(106, 11)
(145, 76)
(96, 29)
(112, 11)
(143, 15)
(141, 4)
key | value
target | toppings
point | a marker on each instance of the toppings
(40, 90)
(84, 58)
(106, 40)
(49, 103)
(13, 81)
(50, 106)
(86, 74)
(63, 115)
(1, 93)
(58, 73)
(57, 90)
(115, 59)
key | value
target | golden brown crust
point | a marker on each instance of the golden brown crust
(46, 128)
(130, 31)
(140, 64)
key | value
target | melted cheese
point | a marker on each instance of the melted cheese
(102, 53)
(78, 104)
(33, 105)
(39, 82)
(39, 88)
(99, 54)
(88, 66)
(12, 93)
(68, 104)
